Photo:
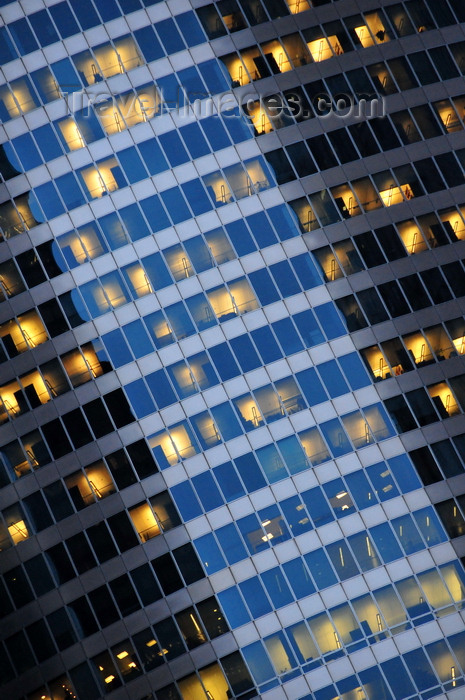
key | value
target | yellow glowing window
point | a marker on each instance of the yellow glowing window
(395, 195)
(321, 49)
(364, 36)
(18, 531)
(71, 134)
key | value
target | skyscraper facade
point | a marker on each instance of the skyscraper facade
(232, 340)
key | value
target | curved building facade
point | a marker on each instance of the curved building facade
(232, 340)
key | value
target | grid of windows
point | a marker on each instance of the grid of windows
(195, 452)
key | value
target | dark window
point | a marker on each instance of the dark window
(103, 606)
(81, 553)
(146, 585)
(53, 318)
(390, 242)
(343, 145)
(20, 652)
(37, 511)
(169, 637)
(393, 298)
(58, 500)
(280, 164)
(212, 617)
(102, 542)
(372, 305)
(451, 517)
(369, 249)
(62, 629)
(400, 414)
(167, 574)
(31, 268)
(121, 469)
(119, 408)
(77, 428)
(18, 586)
(83, 617)
(415, 292)
(60, 563)
(98, 418)
(422, 406)
(447, 458)
(124, 595)
(56, 438)
(41, 641)
(123, 531)
(39, 575)
(188, 563)
(436, 285)
(322, 152)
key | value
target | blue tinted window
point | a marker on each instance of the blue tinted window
(196, 196)
(333, 379)
(224, 361)
(47, 142)
(271, 463)
(192, 86)
(195, 140)
(335, 436)
(64, 19)
(258, 662)
(149, 44)
(255, 597)
(420, 669)
(311, 386)
(226, 421)
(209, 553)
(284, 221)
(138, 339)
(233, 607)
(49, 200)
(215, 132)
(238, 126)
(287, 336)
(132, 164)
(161, 388)
(360, 489)
(7, 50)
(85, 12)
(174, 149)
(186, 500)
(153, 157)
(43, 28)
(276, 587)
(264, 286)
(155, 213)
(117, 348)
(66, 75)
(317, 506)
(231, 543)
(399, 680)
(293, 454)
(171, 95)
(215, 75)
(229, 481)
(27, 151)
(45, 85)
(23, 37)
(108, 10)
(285, 278)
(169, 35)
(266, 344)
(429, 525)
(240, 237)
(129, 5)
(207, 491)
(306, 271)
(134, 222)
(408, 534)
(354, 370)
(262, 231)
(308, 328)
(88, 125)
(139, 398)
(330, 320)
(114, 231)
(250, 472)
(245, 353)
(381, 478)
(296, 516)
(176, 205)
(321, 570)
(157, 271)
(299, 578)
(190, 28)
(70, 191)
(201, 311)
(386, 544)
